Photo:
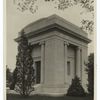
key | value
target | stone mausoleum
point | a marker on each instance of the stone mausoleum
(59, 53)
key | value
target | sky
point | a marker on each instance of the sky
(16, 20)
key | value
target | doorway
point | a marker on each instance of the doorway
(38, 71)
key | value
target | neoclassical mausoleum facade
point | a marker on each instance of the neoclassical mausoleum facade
(59, 53)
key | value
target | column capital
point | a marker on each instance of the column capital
(79, 48)
(66, 43)
(42, 43)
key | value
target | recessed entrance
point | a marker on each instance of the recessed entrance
(38, 71)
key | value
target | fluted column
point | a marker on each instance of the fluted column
(65, 60)
(42, 61)
(78, 65)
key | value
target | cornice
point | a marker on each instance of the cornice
(55, 27)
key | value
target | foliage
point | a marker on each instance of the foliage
(87, 25)
(76, 88)
(32, 6)
(8, 76)
(14, 79)
(61, 4)
(23, 76)
(90, 72)
(23, 5)
(88, 4)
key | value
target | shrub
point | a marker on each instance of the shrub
(76, 88)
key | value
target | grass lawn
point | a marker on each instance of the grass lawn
(38, 97)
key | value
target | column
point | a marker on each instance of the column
(81, 64)
(78, 65)
(65, 60)
(42, 61)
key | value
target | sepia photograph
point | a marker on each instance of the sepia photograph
(50, 49)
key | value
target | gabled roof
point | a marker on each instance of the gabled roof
(58, 22)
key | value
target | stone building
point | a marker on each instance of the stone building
(59, 53)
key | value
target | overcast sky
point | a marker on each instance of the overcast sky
(16, 20)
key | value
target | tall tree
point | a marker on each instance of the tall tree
(24, 71)
(90, 72)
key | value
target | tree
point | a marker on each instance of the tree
(86, 24)
(90, 72)
(76, 88)
(14, 79)
(23, 76)
(8, 76)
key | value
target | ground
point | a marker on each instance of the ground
(38, 97)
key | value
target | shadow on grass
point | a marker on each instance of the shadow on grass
(38, 97)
